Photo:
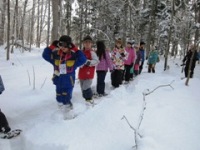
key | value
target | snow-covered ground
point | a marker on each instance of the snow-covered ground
(170, 121)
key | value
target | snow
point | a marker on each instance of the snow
(170, 120)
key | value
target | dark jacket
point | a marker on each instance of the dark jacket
(188, 57)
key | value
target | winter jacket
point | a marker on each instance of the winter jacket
(142, 52)
(138, 58)
(153, 57)
(88, 71)
(118, 56)
(70, 61)
(130, 58)
(189, 56)
(105, 63)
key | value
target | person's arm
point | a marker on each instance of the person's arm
(94, 61)
(47, 53)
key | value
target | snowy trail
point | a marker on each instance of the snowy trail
(170, 120)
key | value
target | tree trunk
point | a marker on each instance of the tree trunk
(38, 25)
(21, 37)
(2, 23)
(8, 31)
(169, 36)
(56, 20)
(32, 24)
(48, 24)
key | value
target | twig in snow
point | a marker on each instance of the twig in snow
(43, 83)
(33, 78)
(29, 79)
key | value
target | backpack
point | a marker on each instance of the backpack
(1, 85)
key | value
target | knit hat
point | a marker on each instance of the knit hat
(87, 38)
(65, 38)
(142, 43)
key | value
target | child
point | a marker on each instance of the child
(86, 72)
(118, 56)
(102, 68)
(152, 60)
(129, 61)
(137, 61)
(65, 58)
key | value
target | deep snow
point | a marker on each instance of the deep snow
(170, 120)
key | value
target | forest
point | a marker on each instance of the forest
(171, 25)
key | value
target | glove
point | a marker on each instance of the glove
(87, 63)
(74, 48)
(54, 44)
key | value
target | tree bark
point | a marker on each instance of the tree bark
(8, 31)
(56, 20)
(3, 18)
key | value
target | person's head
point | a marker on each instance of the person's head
(118, 43)
(65, 43)
(136, 47)
(129, 44)
(142, 44)
(87, 42)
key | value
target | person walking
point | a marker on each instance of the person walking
(87, 71)
(65, 58)
(191, 54)
(118, 56)
(104, 64)
(142, 52)
(152, 60)
(137, 61)
(129, 61)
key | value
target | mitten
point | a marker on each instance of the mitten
(54, 44)
(87, 63)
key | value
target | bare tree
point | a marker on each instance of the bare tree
(8, 30)
(56, 20)
(2, 23)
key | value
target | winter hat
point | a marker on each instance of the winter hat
(87, 38)
(142, 43)
(65, 39)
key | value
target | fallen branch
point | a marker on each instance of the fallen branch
(136, 130)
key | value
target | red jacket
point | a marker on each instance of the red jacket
(87, 72)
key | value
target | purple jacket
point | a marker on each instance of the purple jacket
(130, 56)
(105, 63)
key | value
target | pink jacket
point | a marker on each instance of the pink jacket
(131, 56)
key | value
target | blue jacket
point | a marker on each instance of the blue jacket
(142, 52)
(71, 60)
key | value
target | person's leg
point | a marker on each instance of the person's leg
(153, 68)
(127, 73)
(101, 82)
(186, 70)
(87, 91)
(4, 126)
(141, 67)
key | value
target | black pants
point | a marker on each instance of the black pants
(187, 69)
(101, 75)
(4, 126)
(141, 67)
(116, 78)
(127, 73)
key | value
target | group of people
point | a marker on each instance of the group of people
(123, 62)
